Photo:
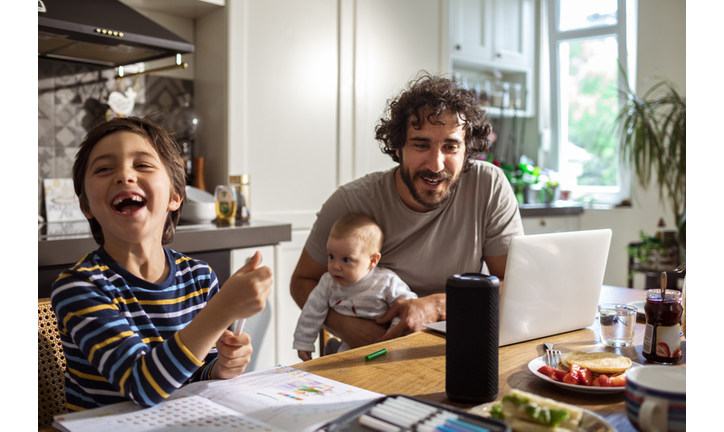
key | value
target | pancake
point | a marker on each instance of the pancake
(597, 362)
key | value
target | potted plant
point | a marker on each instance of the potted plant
(658, 252)
(652, 141)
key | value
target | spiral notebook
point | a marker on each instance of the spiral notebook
(552, 284)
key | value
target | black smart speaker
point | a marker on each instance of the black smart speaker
(471, 349)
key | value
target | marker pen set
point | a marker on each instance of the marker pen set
(404, 414)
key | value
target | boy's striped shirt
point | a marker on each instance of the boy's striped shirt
(119, 332)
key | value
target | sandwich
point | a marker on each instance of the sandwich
(528, 412)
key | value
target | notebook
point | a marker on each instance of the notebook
(552, 284)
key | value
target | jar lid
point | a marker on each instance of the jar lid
(670, 296)
(239, 179)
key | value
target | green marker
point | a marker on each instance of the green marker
(374, 355)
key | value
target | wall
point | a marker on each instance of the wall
(73, 97)
(663, 54)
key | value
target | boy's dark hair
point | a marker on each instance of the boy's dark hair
(434, 95)
(160, 140)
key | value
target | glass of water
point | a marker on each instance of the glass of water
(618, 323)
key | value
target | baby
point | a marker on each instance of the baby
(353, 284)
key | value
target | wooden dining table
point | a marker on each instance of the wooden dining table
(415, 365)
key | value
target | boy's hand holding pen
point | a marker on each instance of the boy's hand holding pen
(251, 286)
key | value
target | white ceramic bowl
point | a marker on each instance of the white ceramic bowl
(199, 207)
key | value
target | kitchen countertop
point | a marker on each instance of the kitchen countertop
(65, 243)
(558, 208)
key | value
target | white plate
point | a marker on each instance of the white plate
(639, 305)
(590, 422)
(536, 364)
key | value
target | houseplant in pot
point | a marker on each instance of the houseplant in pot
(652, 141)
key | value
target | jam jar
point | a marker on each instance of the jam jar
(662, 339)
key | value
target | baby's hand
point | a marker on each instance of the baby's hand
(234, 355)
(305, 355)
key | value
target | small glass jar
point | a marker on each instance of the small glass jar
(662, 339)
(225, 197)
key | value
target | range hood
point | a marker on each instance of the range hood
(102, 32)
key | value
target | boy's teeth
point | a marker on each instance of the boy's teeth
(133, 198)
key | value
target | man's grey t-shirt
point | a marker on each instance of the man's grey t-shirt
(424, 249)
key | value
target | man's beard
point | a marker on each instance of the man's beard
(429, 199)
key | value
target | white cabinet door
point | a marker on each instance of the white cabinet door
(551, 224)
(287, 311)
(471, 36)
(261, 327)
(513, 33)
(494, 33)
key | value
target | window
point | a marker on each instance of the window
(587, 40)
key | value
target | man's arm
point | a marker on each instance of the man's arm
(354, 331)
(305, 277)
(496, 266)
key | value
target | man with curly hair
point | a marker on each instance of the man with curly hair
(442, 211)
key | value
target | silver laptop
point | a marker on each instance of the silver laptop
(552, 284)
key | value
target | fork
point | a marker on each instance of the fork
(552, 356)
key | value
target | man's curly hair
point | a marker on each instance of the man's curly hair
(434, 95)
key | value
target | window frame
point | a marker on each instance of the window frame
(625, 32)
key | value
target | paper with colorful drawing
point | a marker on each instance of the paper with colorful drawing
(275, 399)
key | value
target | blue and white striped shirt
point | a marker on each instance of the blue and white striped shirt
(120, 332)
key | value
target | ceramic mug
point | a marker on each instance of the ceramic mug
(656, 398)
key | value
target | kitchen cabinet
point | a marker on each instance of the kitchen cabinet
(494, 32)
(287, 310)
(262, 326)
(495, 35)
(550, 224)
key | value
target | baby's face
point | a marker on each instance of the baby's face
(128, 188)
(348, 260)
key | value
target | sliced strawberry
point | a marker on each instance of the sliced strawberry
(618, 381)
(570, 379)
(586, 377)
(553, 373)
(604, 380)
(662, 350)
(546, 370)
(558, 375)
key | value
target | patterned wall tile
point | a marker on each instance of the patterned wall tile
(72, 98)
(64, 158)
(46, 98)
(46, 162)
